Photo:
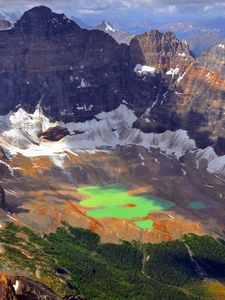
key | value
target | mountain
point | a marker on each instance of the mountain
(5, 25)
(201, 35)
(141, 26)
(203, 42)
(7, 20)
(108, 75)
(216, 24)
(10, 17)
(119, 35)
(100, 143)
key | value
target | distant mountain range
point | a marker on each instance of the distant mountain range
(80, 23)
(118, 34)
(200, 35)
(12, 18)
(7, 20)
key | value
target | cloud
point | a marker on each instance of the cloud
(87, 7)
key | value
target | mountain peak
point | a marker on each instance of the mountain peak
(106, 26)
(41, 19)
(41, 12)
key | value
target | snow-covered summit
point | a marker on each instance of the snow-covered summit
(107, 26)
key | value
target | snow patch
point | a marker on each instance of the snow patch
(84, 107)
(144, 70)
(141, 157)
(221, 46)
(181, 77)
(108, 27)
(184, 172)
(106, 129)
(216, 164)
(58, 160)
(172, 72)
(19, 134)
(8, 166)
(16, 285)
(11, 217)
(83, 84)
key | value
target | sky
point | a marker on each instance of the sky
(125, 11)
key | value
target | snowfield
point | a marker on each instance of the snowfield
(19, 133)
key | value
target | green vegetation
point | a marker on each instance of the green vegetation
(209, 252)
(169, 262)
(73, 260)
(114, 201)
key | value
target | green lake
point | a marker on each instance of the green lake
(114, 202)
(197, 205)
(144, 224)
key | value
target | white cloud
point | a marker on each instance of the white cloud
(215, 8)
(101, 6)
(168, 9)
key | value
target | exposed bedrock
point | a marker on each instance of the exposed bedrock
(74, 74)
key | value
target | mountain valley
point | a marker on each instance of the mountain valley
(112, 156)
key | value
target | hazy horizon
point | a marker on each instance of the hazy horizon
(125, 13)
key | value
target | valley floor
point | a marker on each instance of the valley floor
(45, 191)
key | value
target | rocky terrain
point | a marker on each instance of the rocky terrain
(200, 35)
(75, 74)
(68, 89)
(13, 288)
(5, 25)
(19, 287)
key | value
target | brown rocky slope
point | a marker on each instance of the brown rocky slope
(75, 74)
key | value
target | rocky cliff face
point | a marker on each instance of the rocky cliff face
(191, 92)
(75, 73)
(13, 288)
(16, 287)
(2, 198)
(163, 51)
